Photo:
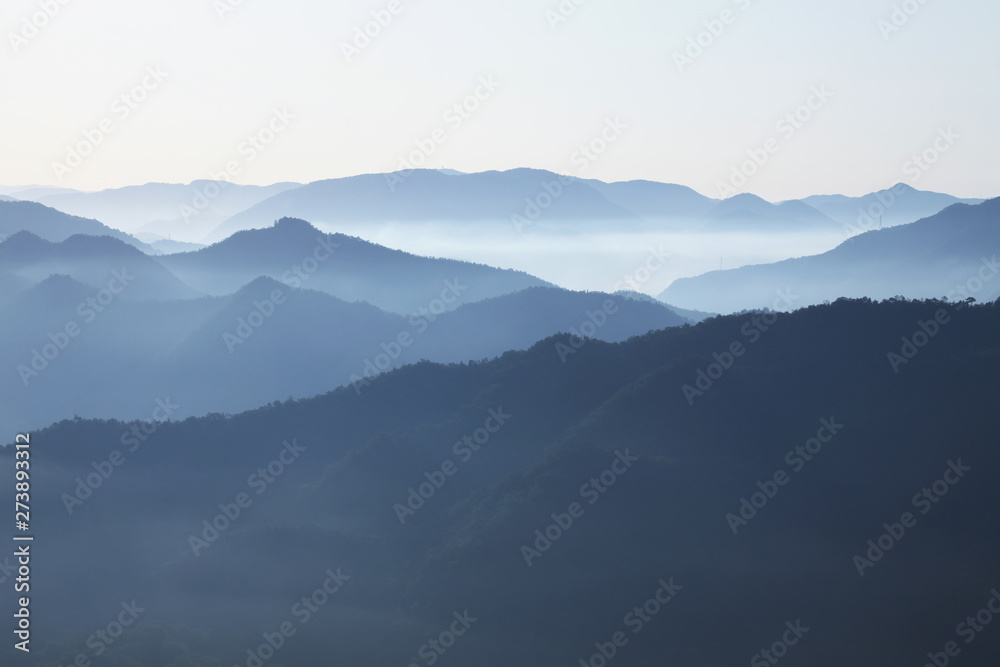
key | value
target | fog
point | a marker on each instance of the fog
(601, 261)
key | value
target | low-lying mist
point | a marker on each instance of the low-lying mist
(599, 260)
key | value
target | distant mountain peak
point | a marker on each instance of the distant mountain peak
(56, 291)
(24, 236)
(294, 224)
(54, 225)
(57, 279)
(746, 198)
(22, 242)
(283, 231)
(262, 284)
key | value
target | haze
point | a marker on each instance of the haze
(229, 65)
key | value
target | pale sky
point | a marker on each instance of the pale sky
(893, 93)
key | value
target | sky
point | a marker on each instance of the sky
(783, 100)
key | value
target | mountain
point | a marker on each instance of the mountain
(314, 342)
(168, 210)
(516, 321)
(102, 262)
(295, 252)
(209, 211)
(29, 192)
(897, 205)
(535, 512)
(79, 353)
(209, 353)
(655, 201)
(168, 247)
(693, 316)
(53, 225)
(428, 195)
(561, 203)
(689, 316)
(749, 212)
(929, 258)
